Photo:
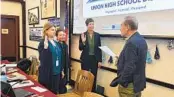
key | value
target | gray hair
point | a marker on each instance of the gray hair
(131, 22)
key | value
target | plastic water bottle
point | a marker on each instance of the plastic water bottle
(3, 77)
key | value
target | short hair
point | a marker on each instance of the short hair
(132, 22)
(88, 21)
(58, 30)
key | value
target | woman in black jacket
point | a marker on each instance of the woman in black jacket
(91, 56)
(61, 38)
(50, 56)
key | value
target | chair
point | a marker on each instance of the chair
(83, 83)
(91, 94)
(33, 70)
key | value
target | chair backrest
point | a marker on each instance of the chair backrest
(24, 64)
(84, 82)
(91, 94)
(34, 66)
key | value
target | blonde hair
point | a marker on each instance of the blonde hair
(47, 26)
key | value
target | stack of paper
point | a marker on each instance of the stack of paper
(11, 65)
(15, 76)
(21, 84)
(11, 70)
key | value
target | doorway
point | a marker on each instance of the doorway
(10, 38)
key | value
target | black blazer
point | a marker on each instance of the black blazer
(85, 48)
(66, 66)
(132, 61)
(45, 68)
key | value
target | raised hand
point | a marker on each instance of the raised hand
(46, 42)
(83, 37)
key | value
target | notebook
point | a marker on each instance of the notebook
(22, 93)
(15, 76)
(21, 84)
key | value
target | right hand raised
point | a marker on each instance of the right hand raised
(46, 42)
(83, 37)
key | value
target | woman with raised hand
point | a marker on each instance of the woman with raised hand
(91, 56)
(50, 56)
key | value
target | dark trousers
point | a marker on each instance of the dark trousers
(55, 83)
(62, 85)
(91, 64)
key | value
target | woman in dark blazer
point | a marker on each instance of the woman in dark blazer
(91, 56)
(66, 59)
(50, 56)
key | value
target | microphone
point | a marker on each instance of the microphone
(16, 80)
(3, 66)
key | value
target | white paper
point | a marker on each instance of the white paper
(22, 84)
(15, 76)
(11, 70)
(107, 51)
(39, 89)
(11, 65)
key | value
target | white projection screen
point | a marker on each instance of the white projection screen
(155, 17)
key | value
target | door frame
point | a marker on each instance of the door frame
(16, 18)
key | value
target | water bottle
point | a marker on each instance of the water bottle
(3, 76)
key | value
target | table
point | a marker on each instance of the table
(28, 88)
(46, 94)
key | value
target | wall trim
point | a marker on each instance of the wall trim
(153, 81)
(24, 27)
(14, 0)
(119, 36)
(29, 47)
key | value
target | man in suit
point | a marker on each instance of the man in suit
(91, 56)
(132, 60)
